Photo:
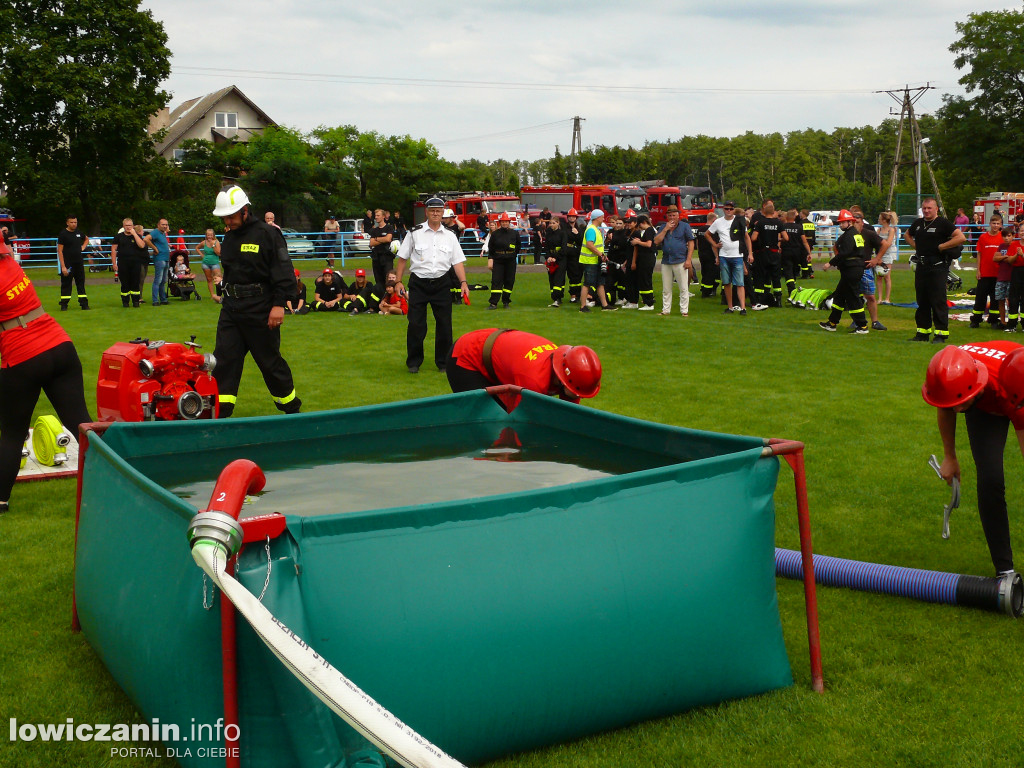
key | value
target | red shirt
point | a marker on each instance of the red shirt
(993, 400)
(17, 296)
(988, 245)
(401, 301)
(518, 357)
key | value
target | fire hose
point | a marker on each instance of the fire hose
(215, 536)
(50, 441)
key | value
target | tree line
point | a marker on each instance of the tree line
(77, 87)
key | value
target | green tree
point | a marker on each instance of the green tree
(281, 171)
(78, 82)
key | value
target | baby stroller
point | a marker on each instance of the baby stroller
(182, 286)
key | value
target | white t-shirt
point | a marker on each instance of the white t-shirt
(730, 248)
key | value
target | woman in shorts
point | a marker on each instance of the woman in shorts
(209, 250)
(890, 233)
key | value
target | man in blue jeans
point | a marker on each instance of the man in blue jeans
(157, 240)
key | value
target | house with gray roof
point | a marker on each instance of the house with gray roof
(219, 116)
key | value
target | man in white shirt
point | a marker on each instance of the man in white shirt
(430, 250)
(728, 256)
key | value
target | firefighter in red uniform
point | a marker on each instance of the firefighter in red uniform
(985, 382)
(492, 356)
(35, 355)
(259, 279)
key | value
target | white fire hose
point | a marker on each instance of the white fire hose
(215, 537)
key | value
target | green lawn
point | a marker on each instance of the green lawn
(907, 683)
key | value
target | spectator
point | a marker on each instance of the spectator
(676, 242)
(890, 234)
(181, 268)
(1005, 257)
(399, 224)
(71, 242)
(368, 220)
(127, 255)
(989, 244)
(332, 238)
(961, 219)
(270, 219)
(1015, 298)
(731, 232)
(329, 296)
(208, 250)
(392, 303)
(157, 240)
(296, 305)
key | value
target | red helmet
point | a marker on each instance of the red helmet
(504, 217)
(953, 378)
(571, 212)
(1011, 377)
(845, 215)
(578, 369)
(630, 214)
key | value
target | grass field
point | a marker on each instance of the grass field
(907, 683)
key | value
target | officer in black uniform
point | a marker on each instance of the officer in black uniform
(70, 243)
(935, 239)
(554, 252)
(811, 234)
(258, 281)
(381, 257)
(128, 256)
(502, 256)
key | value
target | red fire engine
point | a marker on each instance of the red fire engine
(610, 198)
(694, 204)
(1009, 204)
(15, 234)
(469, 205)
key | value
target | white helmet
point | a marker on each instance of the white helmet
(448, 212)
(230, 200)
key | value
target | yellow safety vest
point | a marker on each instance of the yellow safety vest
(586, 255)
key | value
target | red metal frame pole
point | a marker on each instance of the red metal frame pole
(793, 452)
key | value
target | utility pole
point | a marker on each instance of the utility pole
(576, 151)
(907, 97)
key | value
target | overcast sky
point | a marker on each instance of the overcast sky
(651, 71)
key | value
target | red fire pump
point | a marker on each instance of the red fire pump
(145, 380)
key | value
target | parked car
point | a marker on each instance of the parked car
(353, 235)
(298, 245)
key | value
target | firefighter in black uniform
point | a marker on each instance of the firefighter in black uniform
(554, 249)
(574, 241)
(710, 274)
(619, 251)
(795, 250)
(811, 233)
(455, 226)
(936, 240)
(502, 255)
(765, 236)
(258, 281)
(849, 258)
(382, 258)
(630, 289)
(329, 292)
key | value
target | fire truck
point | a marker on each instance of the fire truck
(559, 198)
(1009, 204)
(694, 204)
(15, 235)
(469, 205)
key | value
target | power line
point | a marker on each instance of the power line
(314, 77)
(509, 133)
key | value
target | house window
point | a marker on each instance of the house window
(179, 156)
(226, 120)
